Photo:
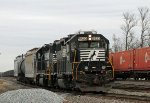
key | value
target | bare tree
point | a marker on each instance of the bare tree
(135, 44)
(144, 23)
(129, 23)
(116, 44)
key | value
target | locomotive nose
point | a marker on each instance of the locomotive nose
(96, 80)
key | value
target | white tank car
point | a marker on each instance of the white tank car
(17, 63)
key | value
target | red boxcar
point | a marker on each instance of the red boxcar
(132, 63)
(142, 59)
(123, 63)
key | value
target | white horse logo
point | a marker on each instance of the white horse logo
(122, 60)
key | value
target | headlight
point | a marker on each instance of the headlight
(103, 67)
(86, 67)
(90, 36)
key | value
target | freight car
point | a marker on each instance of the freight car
(79, 61)
(19, 67)
(9, 73)
(132, 63)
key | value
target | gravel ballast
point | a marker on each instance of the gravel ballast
(88, 99)
(30, 96)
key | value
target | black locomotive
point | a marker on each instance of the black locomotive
(79, 61)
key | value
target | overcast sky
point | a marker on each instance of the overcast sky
(25, 24)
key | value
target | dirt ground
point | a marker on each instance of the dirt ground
(6, 84)
(2, 86)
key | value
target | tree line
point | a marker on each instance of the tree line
(132, 26)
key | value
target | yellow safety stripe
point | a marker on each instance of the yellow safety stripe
(49, 77)
(112, 67)
(73, 65)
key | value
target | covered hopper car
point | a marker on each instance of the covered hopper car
(9, 73)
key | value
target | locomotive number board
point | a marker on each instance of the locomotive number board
(86, 38)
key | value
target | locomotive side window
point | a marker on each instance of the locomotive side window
(102, 44)
(67, 48)
(73, 45)
(39, 56)
(58, 47)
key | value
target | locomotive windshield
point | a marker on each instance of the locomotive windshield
(87, 44)
(92, 44)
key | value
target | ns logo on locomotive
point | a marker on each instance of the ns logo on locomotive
(78, 61)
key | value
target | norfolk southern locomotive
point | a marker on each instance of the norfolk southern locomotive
(79, 61)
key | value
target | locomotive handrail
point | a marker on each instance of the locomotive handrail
(73, 66)
(112, 67)
(49, 72)
(70, 39)
(74, 62)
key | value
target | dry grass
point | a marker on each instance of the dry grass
(2, 86)
(7, 84)
(1, 82)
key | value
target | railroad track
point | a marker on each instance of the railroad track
(29, 85)
(132, 85)
(117, 96)
(131, 97)
(95, 95)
